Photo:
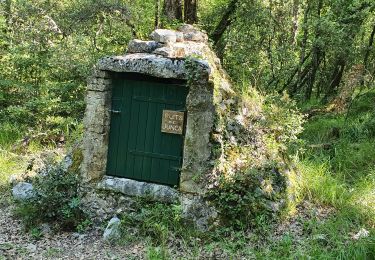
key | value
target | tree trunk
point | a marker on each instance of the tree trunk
(316, 55)
(294, 28)
(225, 21)
(303, 44)
(8, 14)
(336, 77)
(367, 54)
(157, 14)
(172, 10)
(190, 11)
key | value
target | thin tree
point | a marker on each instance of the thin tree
(190, 11)
(172, 10)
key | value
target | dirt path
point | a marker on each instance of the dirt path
(15, 244)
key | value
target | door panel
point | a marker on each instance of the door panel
(137, 147)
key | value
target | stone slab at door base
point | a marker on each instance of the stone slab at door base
(195, 210)
(151, 191)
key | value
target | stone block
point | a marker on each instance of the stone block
(179, 36)
(171, 52)
(112, 231)
(144, 63)
(94, 151)
(196, 36)
(155, 192)
(138, 46)
(97, 115)
(98, 73)
(164, 36)
(23, 191)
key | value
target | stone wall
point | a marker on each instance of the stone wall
(96, 126)
(182, 54)
(224, 135)
(166, 56)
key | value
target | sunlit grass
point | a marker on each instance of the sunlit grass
(9, 164)
(319, 185)
(9, 134)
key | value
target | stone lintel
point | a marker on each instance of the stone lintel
(149, 64)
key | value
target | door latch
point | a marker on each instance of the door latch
(115, 111)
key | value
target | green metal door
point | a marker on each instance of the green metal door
(138, 149)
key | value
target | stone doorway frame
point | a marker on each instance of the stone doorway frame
(199, 106)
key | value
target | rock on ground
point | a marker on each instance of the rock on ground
(23, 191)
(16, 244)
(112, 232)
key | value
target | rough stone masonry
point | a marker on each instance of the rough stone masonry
(165, 56)
(212, 127)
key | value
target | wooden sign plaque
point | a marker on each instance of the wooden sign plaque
(172, 122)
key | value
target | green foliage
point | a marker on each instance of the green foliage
(156, 221)
(47, 51)
(36, 233)
(248, 196)
(10, 163)
(298, 46)
(84, 226)
(157, 253)
(56, 201)
(256, 178)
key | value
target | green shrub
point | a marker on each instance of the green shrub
(255, 176)
(248, 196)
(155, 220)
(57, 201)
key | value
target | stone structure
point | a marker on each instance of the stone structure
(215, 129)
(170, 54)
(165, 57)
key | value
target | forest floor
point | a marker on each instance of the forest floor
(15, 243)
(335, 219)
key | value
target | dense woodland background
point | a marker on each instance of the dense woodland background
(315, 50)
(319, 52)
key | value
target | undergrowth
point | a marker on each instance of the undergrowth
(337, 172)
(56, 201)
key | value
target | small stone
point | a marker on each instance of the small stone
(192, 34)
(179, 37)
(31, 248)
(361, 234)
(151, 191)
(164, 36)
(23, 191)
(78, 236)
(186, 28)
(45, 229)
(195, 36)
(14, 179)
(66, 162)
(195, 210)
(171, 52)
(112, 231)
(138, 46)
